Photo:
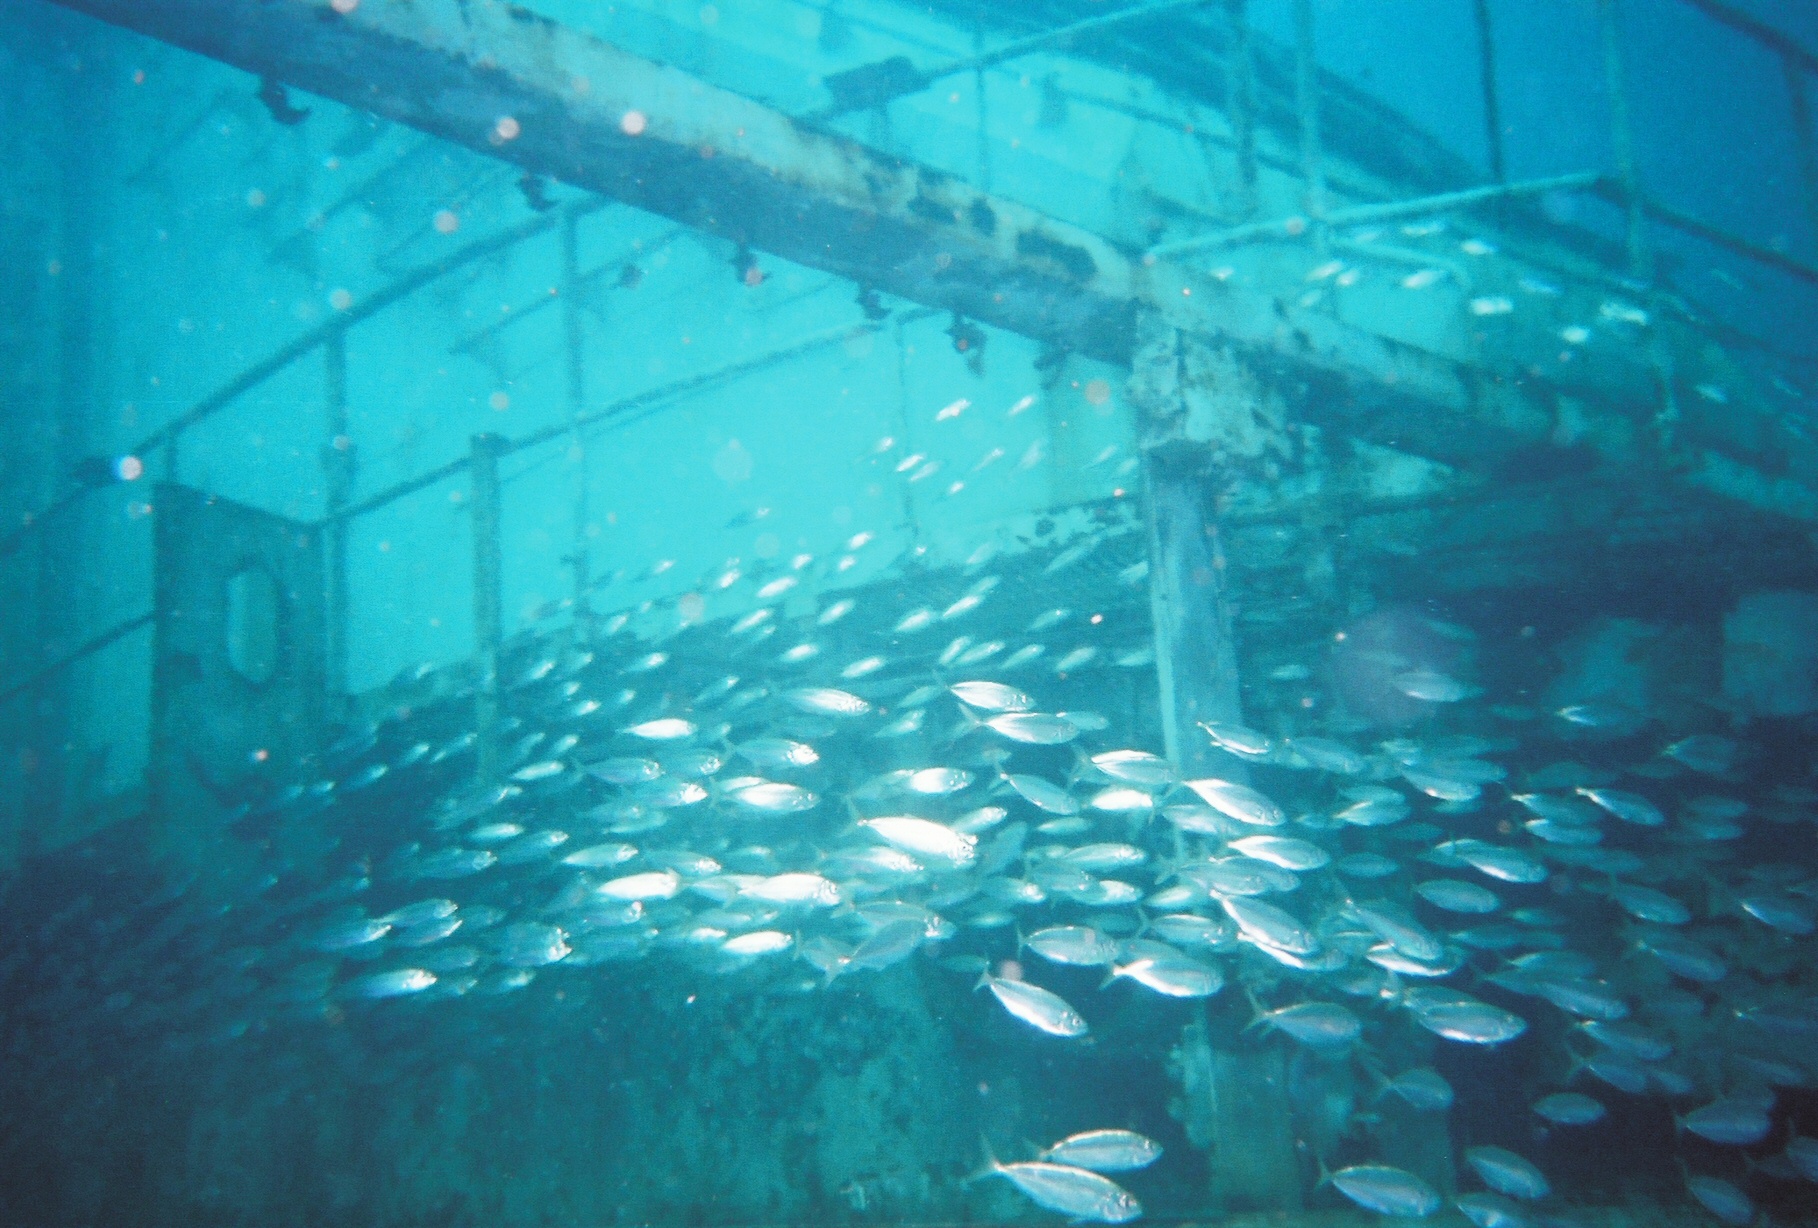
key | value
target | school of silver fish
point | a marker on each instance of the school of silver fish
(805, 794)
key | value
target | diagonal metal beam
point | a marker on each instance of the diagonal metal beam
(564, 103)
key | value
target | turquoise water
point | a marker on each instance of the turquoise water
(785, 613)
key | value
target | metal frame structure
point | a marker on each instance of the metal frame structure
(1066, 286)
(1203, 355)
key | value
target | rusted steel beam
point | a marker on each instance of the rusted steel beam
(563, 103)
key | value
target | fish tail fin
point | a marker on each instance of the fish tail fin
(1142, 921)
(1394, 990)
(1258, 1015)
(1576, 1064)
(968, 723)
(984, 979)
(1325, 1174)
(991, 1169)
(1110, 977)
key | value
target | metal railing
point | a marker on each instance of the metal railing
(481, 462)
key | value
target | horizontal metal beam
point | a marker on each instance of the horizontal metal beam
(1297, 226)
(563, 103)
(878, 83)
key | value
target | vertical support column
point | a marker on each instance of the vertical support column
(574, 353)
(1306, 101)
(1195, 655)
(83, 102)
(488, 619)
(1240, 104)
(337, 480)
(1622, 142)
(978, 94)
(1798, 92)
(1641, 249)
(1236, 1089)
(1492, 105)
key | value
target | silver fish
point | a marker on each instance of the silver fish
(625, 771)
(1731, 1122)
(1721, 1199)
(455, 863)
(1175, 976)
(1507, 1173)
(1105, 1151)
(1081, 1195)
(1043, 794)
(1033, 728)
(1078, 945)
(794, 888)
(1471, 1022)
(600, 856)
(1423, 1087)
(1240, 740)
(1431, 686)
(1570, 1109)
(1328, 756)
(1287, 852)
(1136, 767)
(926, 838)
(1455, 895)
(1497, 861)
(1035, 1006)
(991, 697)
(1490, 1211)
(664, 729)
(772, 797)
(1269, 926)
(826, 701)
(778, 753)
(1647, 904)
(1629, 807)
(1239, 802)
(1319, 1024)
(1386, 1190)
(530, 944)
(419, 912)
(649, 885)
(889, 944)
